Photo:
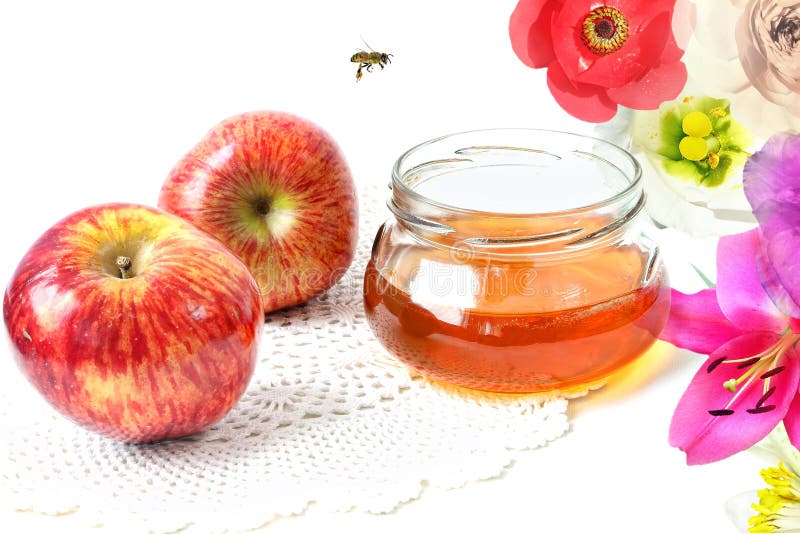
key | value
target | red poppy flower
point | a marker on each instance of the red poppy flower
(600, 54)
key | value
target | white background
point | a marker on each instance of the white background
(98, 101)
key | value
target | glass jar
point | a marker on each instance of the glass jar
(516, 262)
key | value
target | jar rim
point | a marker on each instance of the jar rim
(634, 182)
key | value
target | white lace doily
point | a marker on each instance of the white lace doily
(329, 418)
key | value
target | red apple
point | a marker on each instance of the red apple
(276, 190)
(133, 323)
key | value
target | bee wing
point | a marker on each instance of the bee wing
(366, 44)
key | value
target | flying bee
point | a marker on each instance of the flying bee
(366, 60)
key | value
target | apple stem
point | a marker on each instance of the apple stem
(124, 264)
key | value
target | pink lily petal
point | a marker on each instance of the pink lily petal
(772, 186)
(530, 33)
(794, 324)
(792, 419)
(586, 102)
(658, 85)
(749, 415)
(696, 323)
(739, 291)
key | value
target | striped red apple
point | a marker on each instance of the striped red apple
(133, 323)
(277, 191)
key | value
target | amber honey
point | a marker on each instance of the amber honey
(520, 328)
(516, 262)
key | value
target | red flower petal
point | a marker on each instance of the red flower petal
(696, 323)
(648, 32)
(672, 52)
(529, 29)
(641, 11)
(707, 438)
(740, 294)
(660, 84)
(586, 102)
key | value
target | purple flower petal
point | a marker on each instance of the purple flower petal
(772, 185)
(740, 295)
(772, 280)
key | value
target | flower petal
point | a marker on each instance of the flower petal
(792, 419)
(660, 84)
(707, 438)
(714, 31)
(739, 292)
(772, 185)
(770, 69)
(759, 115)
(684, 22)
(713, 75)
(529, 29)
(642, 50)
(637, 10)
(773, 282)
(586, 102)
(667, 203)
(696, 323)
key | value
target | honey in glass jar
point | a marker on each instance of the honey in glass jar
(517, 261)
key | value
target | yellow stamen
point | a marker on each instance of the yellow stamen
(778, 504)
(693, 148)
(713, 160)
(605, 30)
(717, 112)
(696, 124)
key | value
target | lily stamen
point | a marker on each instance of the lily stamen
(732, 385)
(772, 372)
(749, 362)
(771, 356)
(765, 396)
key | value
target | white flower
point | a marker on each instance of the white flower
(757, 66)
(696, 189)
(778, 506)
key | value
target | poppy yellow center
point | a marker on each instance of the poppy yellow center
(605, 30)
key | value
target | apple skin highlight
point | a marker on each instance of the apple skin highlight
(277, 191)
(162, 353)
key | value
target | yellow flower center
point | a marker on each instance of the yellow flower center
(699, 144)
(696, 124)
(605, 30)
(693, 148)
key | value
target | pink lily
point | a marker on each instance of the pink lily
(750, 381)
(748, 324)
